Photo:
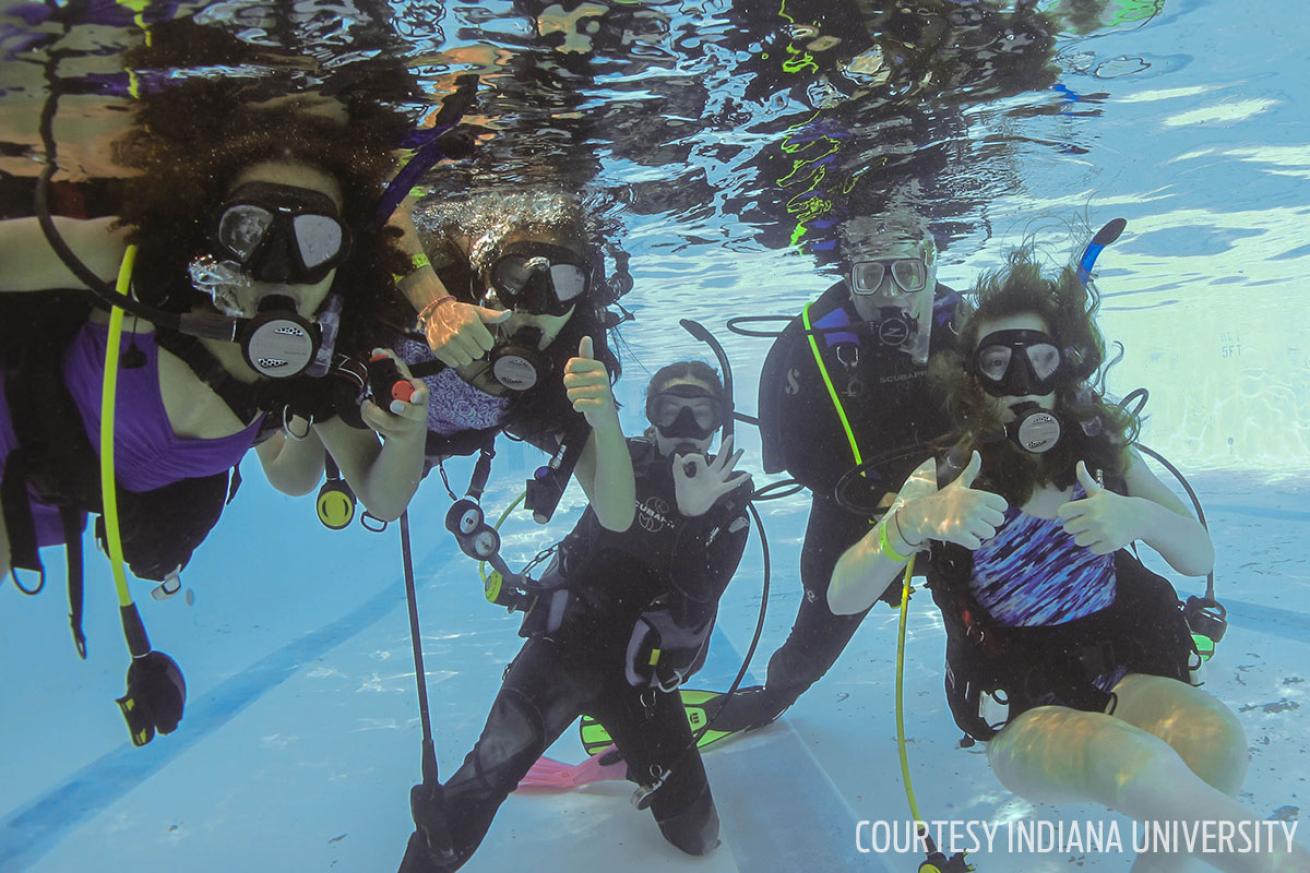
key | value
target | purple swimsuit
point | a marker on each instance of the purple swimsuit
(147, 453)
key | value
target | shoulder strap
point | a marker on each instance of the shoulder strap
(239, 397)
(832, 392)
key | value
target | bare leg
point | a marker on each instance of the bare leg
(1053, 754)
(1209, 739)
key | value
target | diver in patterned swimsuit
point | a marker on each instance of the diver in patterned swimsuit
(1044, 607)
(512, 288)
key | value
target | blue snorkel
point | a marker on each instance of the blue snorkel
(432, 145)
(1205, 615)
(1104, 237)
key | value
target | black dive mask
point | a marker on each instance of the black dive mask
(1035, 430)
(685, 412)
(519, 364)
(539, 278)
(1017, 363)
(280, 233)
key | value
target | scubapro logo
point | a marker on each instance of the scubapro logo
(651, 514)
(793, 384)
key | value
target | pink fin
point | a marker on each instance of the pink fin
(547, 774)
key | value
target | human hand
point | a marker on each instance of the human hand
(402, 417)
(957, 513)
(698, 484)
(457, 332)
(1102, 521)
(587, 385)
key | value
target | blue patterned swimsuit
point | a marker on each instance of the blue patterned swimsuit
(1033, 574)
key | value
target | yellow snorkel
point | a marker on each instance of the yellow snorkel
(936, 862)
(156, 691)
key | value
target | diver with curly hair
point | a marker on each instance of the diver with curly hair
(511, 299)
(1046, 610)
(243, 214)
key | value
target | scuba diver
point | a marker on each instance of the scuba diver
(509, 288)
(615, 624)
(846, 381)
(1027, 520)
(256, 257)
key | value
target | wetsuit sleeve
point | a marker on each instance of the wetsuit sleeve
(709, 548)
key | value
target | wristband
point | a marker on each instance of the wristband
(430, 307)
(900, 531)
(885, 546)
(417, 262)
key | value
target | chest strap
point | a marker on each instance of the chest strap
(239, 397)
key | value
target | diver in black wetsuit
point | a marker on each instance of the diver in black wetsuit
(619, 621)
(845, 383)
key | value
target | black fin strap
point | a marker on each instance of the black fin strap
(73, 520)
(239, 397)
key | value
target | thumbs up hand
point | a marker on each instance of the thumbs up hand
(957, 513)
(457, 332)
(587, 384)
(1102, 521)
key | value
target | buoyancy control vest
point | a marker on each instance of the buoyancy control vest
(1142, 631)
(864, 399)
(653, 589)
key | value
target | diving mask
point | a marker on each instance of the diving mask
(1017, 363)
(685, 411)
(279, 233)
(539, 278)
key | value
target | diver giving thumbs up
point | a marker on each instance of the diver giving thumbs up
(958, 513)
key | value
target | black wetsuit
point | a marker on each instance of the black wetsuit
(575, 659)
(887, 402)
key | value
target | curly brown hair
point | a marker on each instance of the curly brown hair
(189, 143)
(1096, 432)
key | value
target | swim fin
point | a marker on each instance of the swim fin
(699, 705)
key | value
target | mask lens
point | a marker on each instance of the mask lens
(867, 276)
(570, 281)
(512, 274)
(993, 362)
(910, 274)
(318, 237)
(1045, 359)
(242, 227)
(666, 408)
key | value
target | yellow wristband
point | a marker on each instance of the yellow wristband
(418, 261)
(885, 544)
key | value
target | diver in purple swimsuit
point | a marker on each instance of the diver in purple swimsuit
(1045, 609)
(276, 225)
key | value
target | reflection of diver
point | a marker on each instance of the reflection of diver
(615, 624)
(845, 381)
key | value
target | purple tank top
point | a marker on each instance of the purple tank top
(147, 453)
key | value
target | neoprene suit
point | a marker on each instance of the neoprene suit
(576, 659)
(886, 400)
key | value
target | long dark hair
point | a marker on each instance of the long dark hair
(189, 143)
(1093, 430)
